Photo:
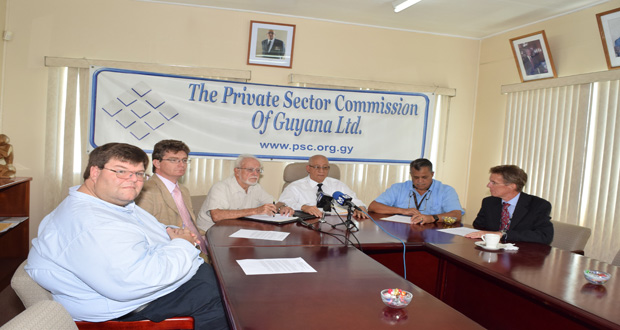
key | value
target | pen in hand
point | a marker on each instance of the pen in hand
(274, 213)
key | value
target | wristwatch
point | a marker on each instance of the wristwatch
(436, 218)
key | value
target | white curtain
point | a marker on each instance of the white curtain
(567, 139)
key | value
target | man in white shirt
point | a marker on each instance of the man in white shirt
(302, 194)
(239, 196)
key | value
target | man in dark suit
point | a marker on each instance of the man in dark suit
(509, 212)
(272, 47)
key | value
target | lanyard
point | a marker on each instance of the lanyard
(415, 199)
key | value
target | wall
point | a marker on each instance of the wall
(576, 48)
(181, 35)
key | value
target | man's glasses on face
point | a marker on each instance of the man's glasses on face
(251, 170)
(122, 174)
(318, 168)
(176, 160)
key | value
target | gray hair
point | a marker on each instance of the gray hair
(243, 157)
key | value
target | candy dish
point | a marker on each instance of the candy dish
(396, 298)
(596, 276)
(449, 220)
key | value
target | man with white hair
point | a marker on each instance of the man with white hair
(239, 196)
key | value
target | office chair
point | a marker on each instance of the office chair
(30, 293)
(616, 261)
(570, 237)
(45, 314)
(296, 171)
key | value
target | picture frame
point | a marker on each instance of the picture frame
(277, 51)
(609, 28)
(533, 57)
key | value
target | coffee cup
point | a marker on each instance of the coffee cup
(491, 240)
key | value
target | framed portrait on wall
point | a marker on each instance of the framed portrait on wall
(609, 28)
(271, 44)
(533, 57)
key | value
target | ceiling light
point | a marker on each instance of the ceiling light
(403, 4)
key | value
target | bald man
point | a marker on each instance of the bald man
(301, 194)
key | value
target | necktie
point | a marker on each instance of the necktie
(319, 189)
(269, 45)
(505, 218)
(187, 219)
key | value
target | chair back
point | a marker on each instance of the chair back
(296, 171)
(616, 261)
(197, 202)
(46, 314)
(28, 291)
(570, 237)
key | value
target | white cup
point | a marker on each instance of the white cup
(491, 240)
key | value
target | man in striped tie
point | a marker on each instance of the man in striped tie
(517, 216)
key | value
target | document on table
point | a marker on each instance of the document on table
(275, 266)
(276, 218)
(398, 218)
(260, 234)
(461, 231)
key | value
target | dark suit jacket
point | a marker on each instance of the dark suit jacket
(277, 50)
(530, 221)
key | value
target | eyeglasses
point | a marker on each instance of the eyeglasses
(316, 167)
(251, 170)
(176, 160)
(122, 174)
(493, 183)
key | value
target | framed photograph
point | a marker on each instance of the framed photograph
(533, 57)
(271, 44)
(609, 27)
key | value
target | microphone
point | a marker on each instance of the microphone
(324, 201)
(345, 200)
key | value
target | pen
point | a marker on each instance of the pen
(274, 204)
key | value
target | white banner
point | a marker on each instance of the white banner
(218, 118)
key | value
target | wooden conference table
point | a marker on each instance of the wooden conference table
(535, 287)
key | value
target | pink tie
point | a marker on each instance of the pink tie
(187, 220)
(505, 218)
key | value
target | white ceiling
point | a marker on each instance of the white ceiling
(464, 18)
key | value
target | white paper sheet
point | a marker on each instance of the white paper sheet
(260, 234)
(461, 231)
(399, 218)
(275, 266)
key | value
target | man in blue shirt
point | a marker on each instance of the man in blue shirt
(426, 200)
(104, 258)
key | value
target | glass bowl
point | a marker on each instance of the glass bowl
(449, 220)
(396, 298)
(596, 276)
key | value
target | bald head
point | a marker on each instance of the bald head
(318, 168)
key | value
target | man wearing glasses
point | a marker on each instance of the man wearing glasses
(105, 258)
(511, 213)
(302, 194)
(163, 196)
(423, 198)
(239, 196)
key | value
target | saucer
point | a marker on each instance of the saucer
(483, 245)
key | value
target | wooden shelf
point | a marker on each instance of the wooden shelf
(14, 243)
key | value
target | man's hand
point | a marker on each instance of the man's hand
(183, 233)
(286, 211)
(268, 209)
(412, 212)
(312, 210)
(359, 214)
(478, 234)
(420, 219)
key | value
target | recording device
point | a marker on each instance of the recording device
(324, 201)
(345, 200)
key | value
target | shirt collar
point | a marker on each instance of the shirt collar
(169, 184)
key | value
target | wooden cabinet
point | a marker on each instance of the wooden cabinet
(14, 242)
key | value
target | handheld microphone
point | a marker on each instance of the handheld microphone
(324, 201)
(345, 200)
